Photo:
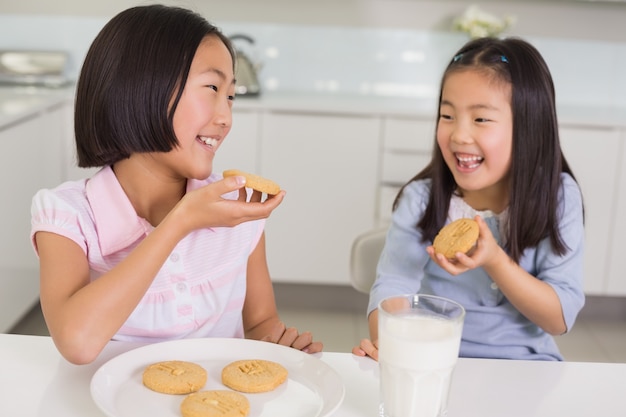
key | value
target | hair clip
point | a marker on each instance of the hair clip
(504, 59)
(457, 57)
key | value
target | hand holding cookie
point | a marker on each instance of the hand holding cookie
(483, 252)
(459, 236)
(255, 182)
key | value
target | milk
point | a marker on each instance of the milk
(417, 354)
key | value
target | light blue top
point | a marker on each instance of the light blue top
(493, 328)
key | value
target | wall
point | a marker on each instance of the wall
(565, 19)
(384, 47)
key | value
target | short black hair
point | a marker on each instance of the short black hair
(131, 82)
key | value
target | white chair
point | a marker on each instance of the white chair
(366, 250)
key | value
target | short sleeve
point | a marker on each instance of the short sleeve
(51, 211)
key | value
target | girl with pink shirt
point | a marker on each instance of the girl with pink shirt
(155, 246)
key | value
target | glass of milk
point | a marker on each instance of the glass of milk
(418, 345)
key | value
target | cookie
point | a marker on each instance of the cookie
(253, 375)
(255, 182)
(459, 236)
(215, 404)
(174, 377)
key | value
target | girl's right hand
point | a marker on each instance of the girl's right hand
(367, 348)
(205, 207)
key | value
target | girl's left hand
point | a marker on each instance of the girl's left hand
(486, 249)
(282, 335)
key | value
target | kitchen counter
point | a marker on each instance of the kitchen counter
(17, 103)
(351, 104)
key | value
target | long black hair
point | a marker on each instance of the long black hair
(537, 160)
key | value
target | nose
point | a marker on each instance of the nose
(461, 134)
(224, 114)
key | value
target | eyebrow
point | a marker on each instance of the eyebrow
(219, 73)
(473, 106)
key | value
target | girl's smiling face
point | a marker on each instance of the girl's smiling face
(203, 116)
(475, 135)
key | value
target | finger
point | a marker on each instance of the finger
(289, 337)
(302, 341)
(369, 348)
(243, 194)
(483, 227)
(276, 333)
(314, 347)
(358, 351)
(256, 196)
(255, 210)
(227, 185)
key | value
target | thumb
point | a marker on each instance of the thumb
(229, 184)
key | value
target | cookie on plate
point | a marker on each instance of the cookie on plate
(255, 182)
(174, 377)
(459, 236)
(215, 403)
(253, 375)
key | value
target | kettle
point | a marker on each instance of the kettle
(245, 70)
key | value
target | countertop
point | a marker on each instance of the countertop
(17, 103)
(363, 105)
(38, 382)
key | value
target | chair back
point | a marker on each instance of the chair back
(366, 250)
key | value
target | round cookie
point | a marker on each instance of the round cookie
(253, 375)
(255, 182)
(459, 236)
(174, 377)
(215, 404)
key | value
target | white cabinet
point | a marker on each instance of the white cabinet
(329, 167)
(240, 149)
(594, 155)
(407, 149)
(31, 151)
(616, 283)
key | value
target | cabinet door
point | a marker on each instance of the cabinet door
(240, 148)
(329, 167)
(616, 284)
(30, 156)
(407, 149)
(593, 155)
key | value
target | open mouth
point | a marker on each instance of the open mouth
(210, 142)
(468, 161)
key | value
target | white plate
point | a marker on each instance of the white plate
(313, 389)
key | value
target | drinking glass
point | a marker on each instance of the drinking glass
(418, 346)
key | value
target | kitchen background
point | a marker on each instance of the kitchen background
(360, 66)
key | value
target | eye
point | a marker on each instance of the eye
(212, 87)
(445, 116)
(481, 120)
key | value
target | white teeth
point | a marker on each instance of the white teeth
(469, 158)
(209, 141)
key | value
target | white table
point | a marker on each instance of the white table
(36, 381)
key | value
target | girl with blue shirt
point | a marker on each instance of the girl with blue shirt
(496, 159)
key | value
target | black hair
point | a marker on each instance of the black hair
(131, 82)
(537, 159)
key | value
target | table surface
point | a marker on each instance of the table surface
(36, 381)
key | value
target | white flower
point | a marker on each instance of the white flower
(478, 23)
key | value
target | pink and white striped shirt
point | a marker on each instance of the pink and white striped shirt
(199, 291)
